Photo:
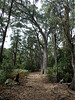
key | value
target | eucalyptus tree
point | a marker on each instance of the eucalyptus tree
(40, 50)
(29, 12)
(54, 23)
(6, 9)
(61, 10)
(66, 27)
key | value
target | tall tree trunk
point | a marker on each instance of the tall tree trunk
(45, 59)
(55, 54)
(45, 37)
(66, 27)
(41, 63)
(15, 52)
(72, 86)
(4, 34)
(14, 57)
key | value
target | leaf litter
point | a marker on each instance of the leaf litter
(37, 87)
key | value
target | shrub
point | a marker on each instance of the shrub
(65, 69)
(51, 61)
(51, 73)
(7, 66)
(31, 66)
(2, 76)
(67, 77)
(20, 71)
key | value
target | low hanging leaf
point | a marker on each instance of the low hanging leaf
(19, 24)
(36, 0)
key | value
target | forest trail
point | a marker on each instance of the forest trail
(36, 87)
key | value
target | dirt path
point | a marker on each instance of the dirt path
(36, 87)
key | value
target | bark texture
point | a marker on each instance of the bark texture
(45, 59)
(66, 26)
(55, 54)
(41, 64)
(72, 86)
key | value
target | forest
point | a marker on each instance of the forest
(41, 52)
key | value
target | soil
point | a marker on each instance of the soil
(36, 87)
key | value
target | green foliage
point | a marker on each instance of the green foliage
(67, 77)
(16, 71)
(7, 66)
(30, 66)
(22, 73)
(65, 69)
(51, 73)
(2, 76)
(36, 0)
(51, 61)
(27, 51)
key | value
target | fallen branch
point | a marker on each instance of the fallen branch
(71, 92)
